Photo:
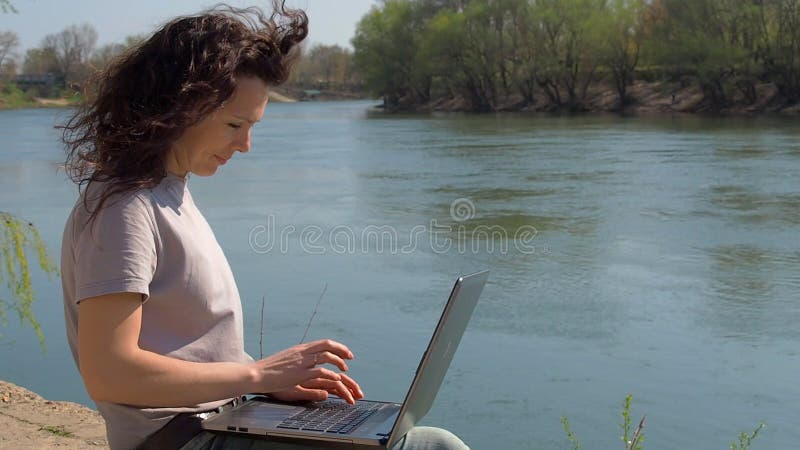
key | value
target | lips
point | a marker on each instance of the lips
(221, 160)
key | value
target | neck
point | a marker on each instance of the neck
(173, 166)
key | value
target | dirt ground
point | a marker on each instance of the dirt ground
(52, 101)
(28, 421)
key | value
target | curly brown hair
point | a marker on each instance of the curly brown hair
(144, 100)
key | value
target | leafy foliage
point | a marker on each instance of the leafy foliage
(576, 444)
(11, 96)
(17, 236)
(490, 52)
(7, 7)
(746, 439)
(632, 438)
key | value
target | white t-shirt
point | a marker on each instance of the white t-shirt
(154, 242)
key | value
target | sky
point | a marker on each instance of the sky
(330, 21)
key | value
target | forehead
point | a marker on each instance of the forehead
(248, 99)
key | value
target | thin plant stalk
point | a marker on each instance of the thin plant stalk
(261, 333)
(311, 319)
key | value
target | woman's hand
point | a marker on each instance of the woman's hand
(318, 389)
(298, 367)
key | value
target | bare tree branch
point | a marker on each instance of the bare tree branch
(72, 48)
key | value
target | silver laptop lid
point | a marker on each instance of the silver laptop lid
(436, 359)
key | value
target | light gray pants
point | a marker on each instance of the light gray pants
(419, 438)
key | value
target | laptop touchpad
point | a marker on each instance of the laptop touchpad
(262, 413)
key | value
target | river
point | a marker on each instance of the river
(656, 256)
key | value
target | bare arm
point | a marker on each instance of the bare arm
(115, 369)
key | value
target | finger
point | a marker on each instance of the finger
(352, 386)
(332, 346)
(314, 395)
(322, 372)
(334, 387)
(330, 358)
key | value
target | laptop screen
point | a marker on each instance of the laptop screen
(436, 359)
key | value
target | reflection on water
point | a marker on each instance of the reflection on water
(754, 207)
(588, 177)
(743, 274)
(487, 195)
(664, 263)
(742, 152)
(753, 290)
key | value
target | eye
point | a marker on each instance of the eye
(234, 126)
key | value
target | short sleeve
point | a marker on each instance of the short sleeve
(116, 252)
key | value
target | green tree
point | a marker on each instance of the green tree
(571, 33)
(442, 41)
(16, 238)
(782, 52)
(492, 52)
(705, 39)
(386, 46)
(479, 52)
(490, 31)
(523, 64)
(466, 64)
(625, 35)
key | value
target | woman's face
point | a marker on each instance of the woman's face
(202, 148)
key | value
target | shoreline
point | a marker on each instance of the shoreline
(40, 103)
(647, 99)
(65, 102)
(650, 99)
(29, 421)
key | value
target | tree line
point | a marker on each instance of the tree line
(491, 53)
(72, 56)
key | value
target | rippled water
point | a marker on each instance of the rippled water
(661, 259)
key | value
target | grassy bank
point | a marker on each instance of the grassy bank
(12, 97)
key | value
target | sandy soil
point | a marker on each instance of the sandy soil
(280, 98)
(28, 421)
(52, 101)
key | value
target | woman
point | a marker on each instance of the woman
(153, 315)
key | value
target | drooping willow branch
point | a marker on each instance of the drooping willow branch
(17, 237)
(7, 7)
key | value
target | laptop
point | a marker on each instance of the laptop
(368, 424)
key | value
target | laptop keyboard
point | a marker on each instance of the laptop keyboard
(331, 417)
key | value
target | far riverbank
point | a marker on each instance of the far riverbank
(19, 100)
(646, 98)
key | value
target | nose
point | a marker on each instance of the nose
(242, 144)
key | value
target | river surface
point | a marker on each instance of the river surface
(657, 257)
